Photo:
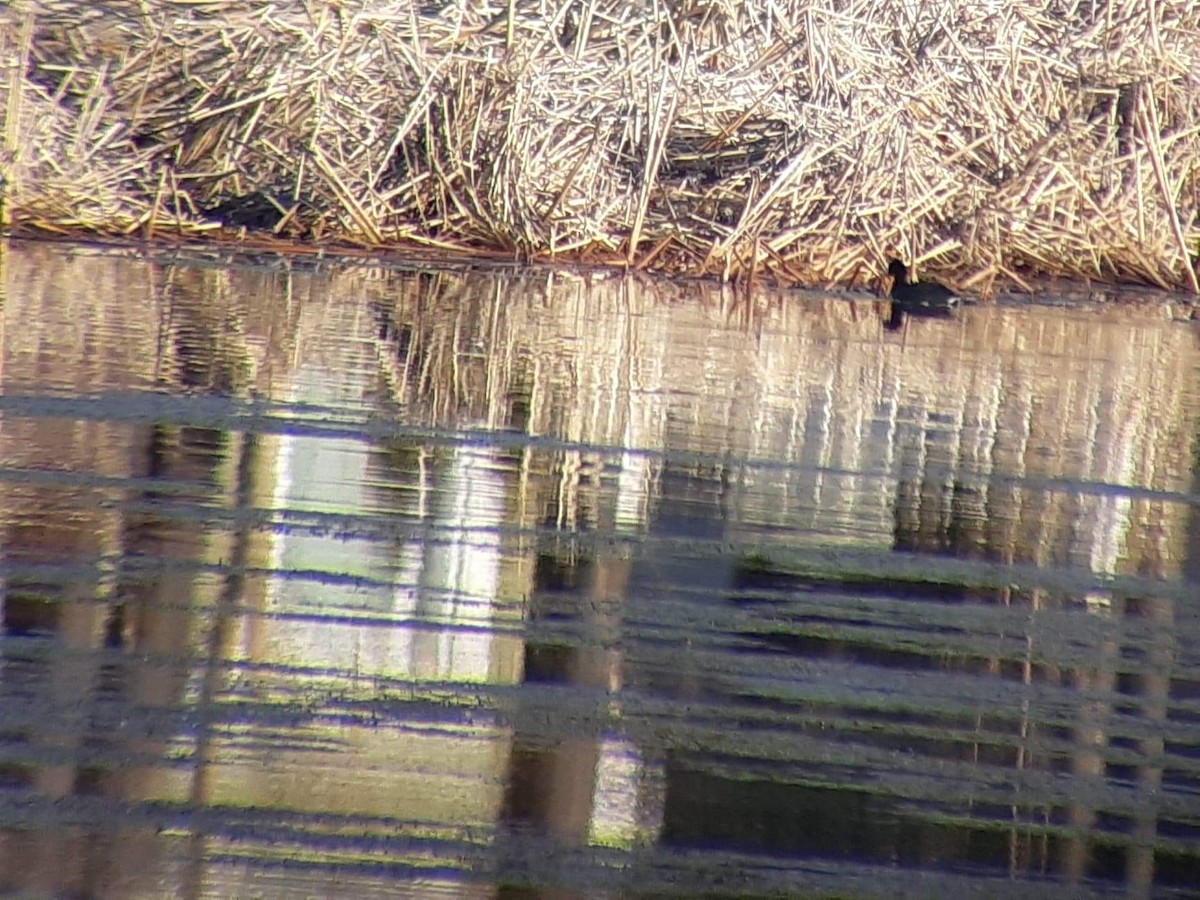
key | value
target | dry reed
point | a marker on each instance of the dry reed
(804, 140)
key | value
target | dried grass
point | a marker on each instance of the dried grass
(805, 140)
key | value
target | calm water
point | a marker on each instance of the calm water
(355, 582)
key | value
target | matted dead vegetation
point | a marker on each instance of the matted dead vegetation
(806, 140)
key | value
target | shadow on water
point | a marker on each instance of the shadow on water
(352, 581)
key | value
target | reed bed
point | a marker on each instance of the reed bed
(804, 141)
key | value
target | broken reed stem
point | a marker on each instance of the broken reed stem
(663, 113)
(1151, 130)
(974, 141)
(10, 152)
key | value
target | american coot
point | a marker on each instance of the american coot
(919, 295)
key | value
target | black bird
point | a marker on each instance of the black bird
(919, 295)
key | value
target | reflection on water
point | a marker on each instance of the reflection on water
(351, 582)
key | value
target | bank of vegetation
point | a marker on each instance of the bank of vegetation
(804, 140)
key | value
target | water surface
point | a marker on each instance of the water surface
(349, 581)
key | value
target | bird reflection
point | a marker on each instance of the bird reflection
(899, 313)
